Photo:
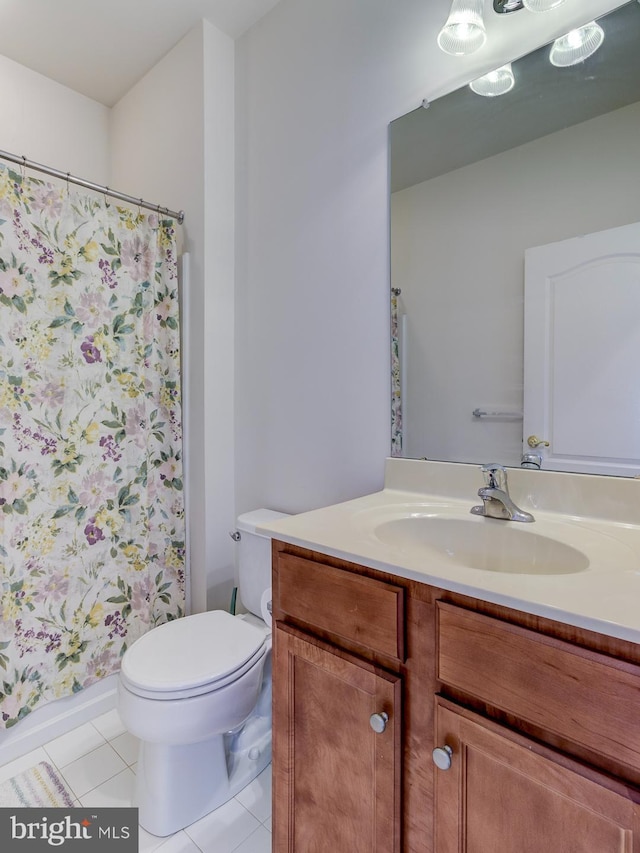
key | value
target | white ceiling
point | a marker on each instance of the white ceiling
(102, 47)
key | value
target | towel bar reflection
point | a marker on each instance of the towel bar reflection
(486, 413)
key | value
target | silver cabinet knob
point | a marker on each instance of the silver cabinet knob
(442, 757)
(378, 722)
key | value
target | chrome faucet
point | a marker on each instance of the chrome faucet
(496, 501)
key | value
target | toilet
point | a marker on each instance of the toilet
(197, 693)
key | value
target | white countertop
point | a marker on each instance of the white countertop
(599, 516)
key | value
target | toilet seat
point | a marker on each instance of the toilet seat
(193, 655)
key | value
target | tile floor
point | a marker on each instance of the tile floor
(98, 762)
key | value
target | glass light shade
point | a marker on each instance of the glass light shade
(576, 46)
(541, 5)
(494, 83)
(464, 31)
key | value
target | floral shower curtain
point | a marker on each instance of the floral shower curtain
(91, 500)
(396, 385)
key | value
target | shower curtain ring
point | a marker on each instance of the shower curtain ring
(105, 194)
(23, 168)
(68, 176)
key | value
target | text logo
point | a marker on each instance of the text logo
(34, 830)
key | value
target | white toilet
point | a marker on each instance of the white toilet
(197, 693)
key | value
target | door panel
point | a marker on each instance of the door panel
(336, 781)
(502, 794)
(582, 348)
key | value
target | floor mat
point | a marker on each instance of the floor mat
(39, 786)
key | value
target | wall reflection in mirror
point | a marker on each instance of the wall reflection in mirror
(515, 261)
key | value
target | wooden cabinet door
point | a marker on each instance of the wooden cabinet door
(505, 793)
(336, 782)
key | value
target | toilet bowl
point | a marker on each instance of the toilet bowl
(197, 693)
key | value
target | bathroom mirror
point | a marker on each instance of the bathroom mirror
(477, 183)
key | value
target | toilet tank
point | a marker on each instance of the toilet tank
(254, 557)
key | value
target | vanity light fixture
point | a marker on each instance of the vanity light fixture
(464, 31)
(504, 6)
(497, 82)
(576, 46)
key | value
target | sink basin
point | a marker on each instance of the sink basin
(483, 543)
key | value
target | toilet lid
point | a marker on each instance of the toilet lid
(192, 651)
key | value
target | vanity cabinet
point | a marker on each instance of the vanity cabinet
(342, 785)
(511, 781)
(505, 792)
(536, 721)
(353, 684)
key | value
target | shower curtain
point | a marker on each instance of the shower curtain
(91, 501)
(396, 385)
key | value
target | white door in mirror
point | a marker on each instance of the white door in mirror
(582, 352)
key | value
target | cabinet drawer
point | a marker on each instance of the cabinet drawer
(571, 692)
(356, 608)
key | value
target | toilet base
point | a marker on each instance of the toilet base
(178, 785)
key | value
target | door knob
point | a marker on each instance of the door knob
(534, 441)
(378, 722)
(442, 757)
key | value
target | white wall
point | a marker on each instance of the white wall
(172, 142)
(458, 244)
(311, 335)
(51, 124)
(219, 321)
(317, 85)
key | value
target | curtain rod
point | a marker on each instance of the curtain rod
(21, 160)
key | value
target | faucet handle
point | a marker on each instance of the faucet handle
(495, 476)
